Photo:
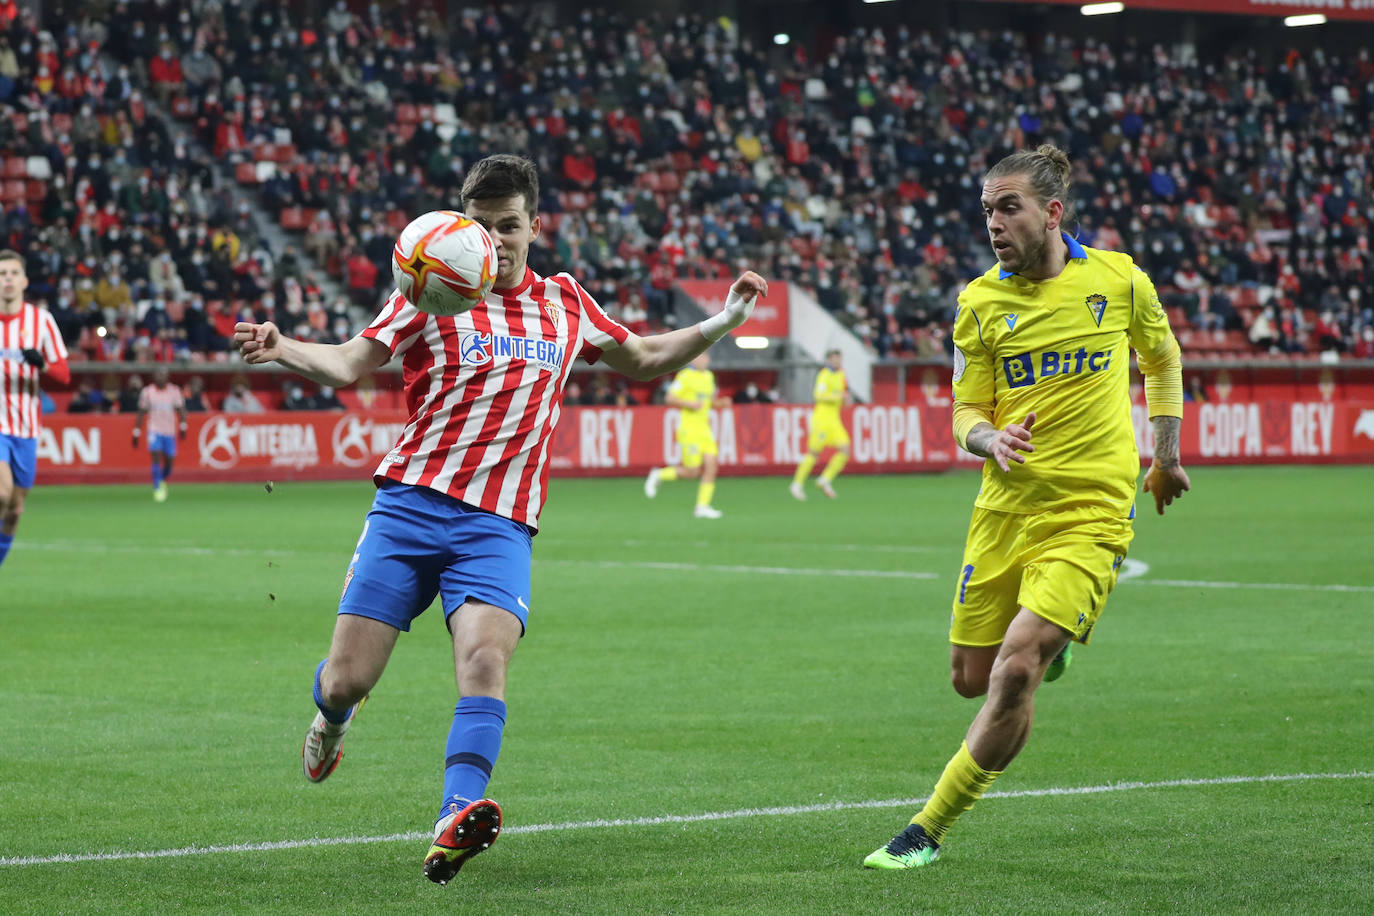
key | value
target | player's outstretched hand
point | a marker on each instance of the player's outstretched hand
(1009, 442)
(739, 305)
(1166, 483)
(749, 285)
(259, 343)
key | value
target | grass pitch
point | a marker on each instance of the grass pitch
(705, 716)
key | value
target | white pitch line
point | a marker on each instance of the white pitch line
(1133, 571)
(1263, 586)
(747, 570)
(779, 811)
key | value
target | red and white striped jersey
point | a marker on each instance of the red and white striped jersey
(485, 389)
(161, 405)
(31, 328)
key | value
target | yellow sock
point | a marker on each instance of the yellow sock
(837, 463)
(667, 475)
(704, 493)
(962, 784)
(804, 469)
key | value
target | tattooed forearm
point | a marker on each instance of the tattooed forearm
(979, 439)
(1166, 440)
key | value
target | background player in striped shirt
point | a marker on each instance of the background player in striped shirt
(693, 392)
(459, 495)
(162, 403)
(1043, 344)
(30, 344)
(827, 429)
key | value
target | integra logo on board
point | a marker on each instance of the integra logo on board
(224, 443)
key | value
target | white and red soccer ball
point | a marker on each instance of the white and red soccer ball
(444, 263)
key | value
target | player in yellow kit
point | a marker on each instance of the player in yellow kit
(827, 429)
(693, 391)
(1043, 344)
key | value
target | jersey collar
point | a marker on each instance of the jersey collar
(1076, 253)
(520, 287)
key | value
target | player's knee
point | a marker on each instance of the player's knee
(1013, 675)
(483, 666)
(969, 684)
(342, 686)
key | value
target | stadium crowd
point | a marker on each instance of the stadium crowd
(677, 150)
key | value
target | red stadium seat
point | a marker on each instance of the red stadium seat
(284, 154)
(406, 114)
(396, 220)
(14, 191)
(16, 167)
(682, 161)
(293, 218)
(669, 182)
(265, 152)
(35, 190)
(246, 173)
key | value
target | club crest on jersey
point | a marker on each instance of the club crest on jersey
(553, 312)
(478, 349)
(1097, 304)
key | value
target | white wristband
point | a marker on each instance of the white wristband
(736, 312)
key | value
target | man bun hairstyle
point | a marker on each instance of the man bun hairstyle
(501, 176)
(1047, 168)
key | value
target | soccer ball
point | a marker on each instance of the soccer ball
(444, 263)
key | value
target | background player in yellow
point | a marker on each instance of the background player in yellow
(1043, 345)
(693, 391)
(827, 429)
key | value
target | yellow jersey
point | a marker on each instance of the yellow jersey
(695, 385)
(829, 395)
(1061, 348)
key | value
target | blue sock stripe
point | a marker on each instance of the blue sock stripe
(469, 759)
(481, 704)
(330, 715)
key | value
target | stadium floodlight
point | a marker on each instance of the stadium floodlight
(877, 1)
(1101, 9)
(752, 343)
(781, 38)
(1305, 19)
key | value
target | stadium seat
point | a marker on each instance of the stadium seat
(293, 218)
(35, 190)
(246, 173)
(14, 191)
(283, 154)
(16, 167)
(406, 114)
(396, 220)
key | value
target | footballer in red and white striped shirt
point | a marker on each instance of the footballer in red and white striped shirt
(459, 495)
(30, 345)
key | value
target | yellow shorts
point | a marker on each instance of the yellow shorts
(826, 434)
(1060, 565)
(696, 445)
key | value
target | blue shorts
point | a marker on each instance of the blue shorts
(417, 543)
(167, 445)
(21, 454)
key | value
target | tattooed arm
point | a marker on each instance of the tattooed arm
(1166, 478)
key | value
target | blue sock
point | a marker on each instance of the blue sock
(473, 743)
(5, 541)
(157, 474)
(330, 715)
